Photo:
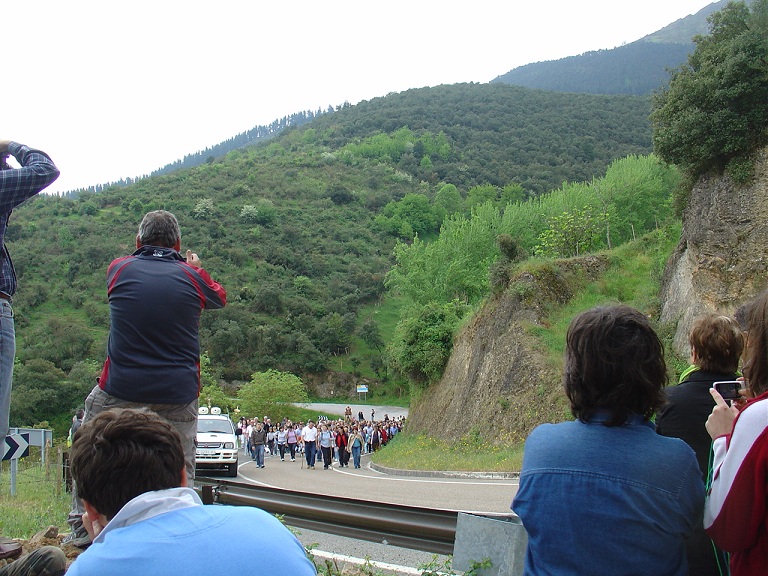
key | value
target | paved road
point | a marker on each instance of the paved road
(465, 494)
(488, 496)
(338, 409)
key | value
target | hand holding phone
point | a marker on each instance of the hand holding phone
(720, 422)
(728, 389)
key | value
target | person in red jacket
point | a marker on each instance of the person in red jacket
(736, 512)
(342, 441)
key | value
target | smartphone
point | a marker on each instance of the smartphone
(728, 389)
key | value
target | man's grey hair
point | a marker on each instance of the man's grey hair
(159, 228)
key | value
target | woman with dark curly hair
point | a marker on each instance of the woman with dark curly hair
(605, 494)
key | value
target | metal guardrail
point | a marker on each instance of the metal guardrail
(426, 529)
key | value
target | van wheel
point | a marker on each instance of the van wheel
(232, 470)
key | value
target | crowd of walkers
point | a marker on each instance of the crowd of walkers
(325, 441)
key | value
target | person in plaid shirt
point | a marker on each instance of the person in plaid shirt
(36, 172)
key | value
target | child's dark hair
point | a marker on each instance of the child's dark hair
(123, 453)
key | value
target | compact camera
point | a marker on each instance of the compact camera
(728, 389)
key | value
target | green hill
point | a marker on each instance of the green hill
(300, 230)
(501, 134)
(640, 67)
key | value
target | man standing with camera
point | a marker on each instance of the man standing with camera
(36, 171)
(156, 296)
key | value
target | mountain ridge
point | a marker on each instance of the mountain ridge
(640, 67)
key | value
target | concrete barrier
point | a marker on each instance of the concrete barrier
(501, 539)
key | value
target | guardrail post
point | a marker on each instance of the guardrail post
(206, 494)
(502, 539)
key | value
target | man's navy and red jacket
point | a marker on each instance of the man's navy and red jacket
(155, 301)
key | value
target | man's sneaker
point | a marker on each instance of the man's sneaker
(9, 549)
(79, 539)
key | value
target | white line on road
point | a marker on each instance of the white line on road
(384, 476)
(362, 562)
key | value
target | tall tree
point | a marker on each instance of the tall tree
(715, 109)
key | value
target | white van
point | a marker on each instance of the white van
(216, 442)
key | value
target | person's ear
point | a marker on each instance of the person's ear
(95, 520)
(92, 512)
(183, 482)
(138, 242)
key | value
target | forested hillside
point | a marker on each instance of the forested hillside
(640, 67)
(301, 230)
(502, 134)
(637, 68)
(255, 134)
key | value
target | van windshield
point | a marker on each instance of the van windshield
(214, 426)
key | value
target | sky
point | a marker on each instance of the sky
(118, 89)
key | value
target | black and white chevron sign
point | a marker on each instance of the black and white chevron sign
(16, 446)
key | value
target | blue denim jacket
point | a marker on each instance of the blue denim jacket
(607, 500)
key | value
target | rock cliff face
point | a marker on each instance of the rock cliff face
(722, 258)
(497, 383)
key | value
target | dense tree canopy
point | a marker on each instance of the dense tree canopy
(636, 68)
(715, 110)
(472, 252)
(271, 392)
(492, 134)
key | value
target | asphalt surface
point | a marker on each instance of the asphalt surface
(328, 409)
(452, 491)
(464, 493)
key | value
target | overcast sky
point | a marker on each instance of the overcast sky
(118, 89)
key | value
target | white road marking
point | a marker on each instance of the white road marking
(383, 476)
(372, 563)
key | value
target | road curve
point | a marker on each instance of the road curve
(464, 494)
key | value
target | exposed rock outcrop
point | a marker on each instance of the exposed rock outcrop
(722, 258)
(497, 383)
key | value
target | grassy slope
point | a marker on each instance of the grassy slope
(633, 278)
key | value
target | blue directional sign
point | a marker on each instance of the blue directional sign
(16, 446)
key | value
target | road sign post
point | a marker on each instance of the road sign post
(39, 437)
(15, 446)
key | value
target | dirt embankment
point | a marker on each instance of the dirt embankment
(48, 537)
(498, 385)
